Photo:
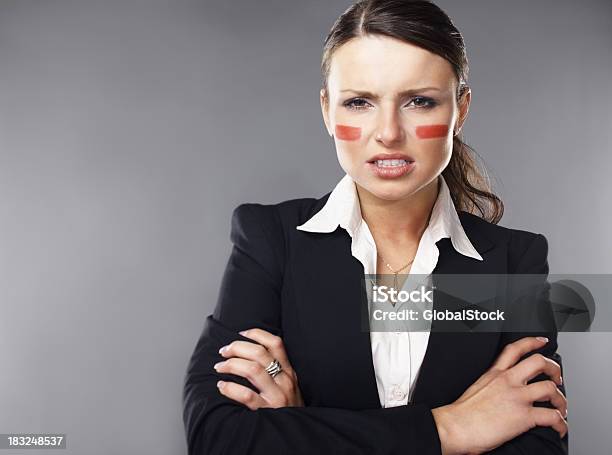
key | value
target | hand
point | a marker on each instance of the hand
(250, 360)
(498, 406)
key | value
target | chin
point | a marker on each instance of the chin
(392, 190)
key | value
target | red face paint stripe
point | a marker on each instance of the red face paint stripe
(348, 133)
(430, 131)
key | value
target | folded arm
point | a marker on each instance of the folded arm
(538, 440)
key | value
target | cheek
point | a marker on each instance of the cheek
(431, 131)
(347, 133)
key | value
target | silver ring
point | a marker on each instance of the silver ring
(274, 368)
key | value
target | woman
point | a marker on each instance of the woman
(283, 366)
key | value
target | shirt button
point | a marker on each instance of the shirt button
(397, 393)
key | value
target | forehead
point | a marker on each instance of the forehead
(376, 62)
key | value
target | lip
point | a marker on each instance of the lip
(391, 156)
(394, 172)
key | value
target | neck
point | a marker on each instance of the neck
(401, 221)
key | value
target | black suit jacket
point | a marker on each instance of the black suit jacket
(306, 288)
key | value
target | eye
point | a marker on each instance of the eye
(423, 102)
(355, 104)
(420, 102)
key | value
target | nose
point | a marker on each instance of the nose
(390, 129)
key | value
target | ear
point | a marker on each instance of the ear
(325, 111)
(464, 107)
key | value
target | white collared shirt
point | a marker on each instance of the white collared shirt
(397, 356)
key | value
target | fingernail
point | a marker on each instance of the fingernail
(217, 365)
(544, 339)
(220, 384)
(243, 333)
(223, 349)
(560, 380)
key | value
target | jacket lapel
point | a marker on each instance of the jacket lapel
(329, 290)
(453, 360)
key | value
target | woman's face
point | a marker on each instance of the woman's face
(390, 97)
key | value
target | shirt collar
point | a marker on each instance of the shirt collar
(342, 209)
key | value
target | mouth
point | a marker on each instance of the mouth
(391, 160)
(390, 169)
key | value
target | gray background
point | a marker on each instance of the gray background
(131, 129)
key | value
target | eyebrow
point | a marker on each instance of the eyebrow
(402, 93)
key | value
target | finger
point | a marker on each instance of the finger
(546, 417)
(249, 351)
(534, 365)
(513, 352)
(256, 374)
(258, 353)
(241, 394)
(287, 383)
(274, 344)
(547, 391)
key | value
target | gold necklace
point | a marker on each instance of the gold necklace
(395, 272)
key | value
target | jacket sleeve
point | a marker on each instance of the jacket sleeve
(540, 440)
(250, 297)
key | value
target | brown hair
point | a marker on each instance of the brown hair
(422, 23)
